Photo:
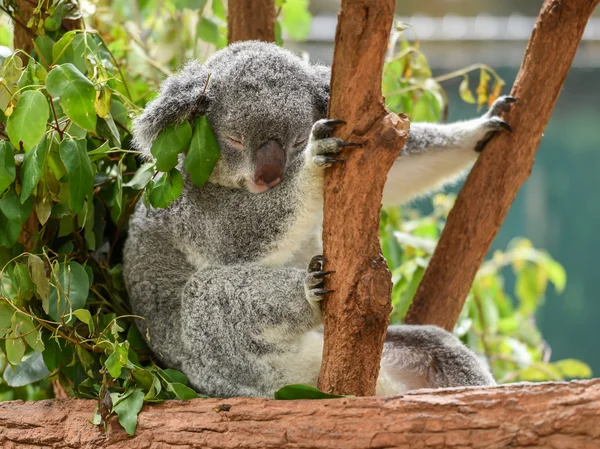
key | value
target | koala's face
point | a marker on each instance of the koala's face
(261, 103)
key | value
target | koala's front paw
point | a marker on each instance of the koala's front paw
(492, 122)
(315, 279)
(323, 147)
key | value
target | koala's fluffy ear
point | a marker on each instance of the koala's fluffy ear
(181, 98)
(323, 76)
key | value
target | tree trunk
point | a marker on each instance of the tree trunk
(357, 313)
(503, 167)
(23, 40)
(251, 20)
(556, 415)
(23, 36)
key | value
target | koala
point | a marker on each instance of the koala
(228, 278)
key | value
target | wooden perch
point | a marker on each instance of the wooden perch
(357, 313)
(549, 415)
(503, 167)
(250, 20)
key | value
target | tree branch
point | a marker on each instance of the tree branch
(546, 415)
(357, 313)
(503, 167)
(251, 20)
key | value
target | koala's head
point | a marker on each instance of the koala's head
(261, 101)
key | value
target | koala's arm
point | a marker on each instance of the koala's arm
(252, 297)
(439, 154)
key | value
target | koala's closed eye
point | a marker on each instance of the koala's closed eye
(235, 141)
(301, 142)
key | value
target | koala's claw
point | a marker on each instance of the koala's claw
(494, 123)
(502, 104)
(325, 161)
(317, 263)
(323, 128)
(315, 286)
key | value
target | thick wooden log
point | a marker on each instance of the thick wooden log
(357, 313)
(559, 415)
(503, 167)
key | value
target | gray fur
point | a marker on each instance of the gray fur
(221, 275)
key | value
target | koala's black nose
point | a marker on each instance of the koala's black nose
(270, 164)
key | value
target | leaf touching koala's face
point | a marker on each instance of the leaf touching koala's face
(169, 144)
(203, 153)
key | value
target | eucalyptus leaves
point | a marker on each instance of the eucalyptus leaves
(68, 182)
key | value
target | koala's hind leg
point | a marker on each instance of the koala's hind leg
(429, 357)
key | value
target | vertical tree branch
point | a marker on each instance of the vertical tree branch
(503, 167)
(251, 20)
(357, 313)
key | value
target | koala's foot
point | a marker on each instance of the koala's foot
(492, 122)
(315, 279)
(323, 147)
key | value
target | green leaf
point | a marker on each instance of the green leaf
(128, 408)
(29, 332)
(32, 168)
(84, 356)
(219, 10)
(71, 48)
(142, 177)
(15, 349)
(173, 376)
(117, 360)
(166, 189)
(44, 44)
(37, 272)
(7, 166)
(296, 19)
(573, 369)
(6, 316)
(169, 144)
(203, 153)
(208, 30)
(555, 272)
(76, 92)
(299, 391)
(182, 392)
(12, 208)
(9, 231)
(74, 155)
(23, 280)
(74, 286)
(28, 371)
(530, 287)
(27, 123)
(85, 316)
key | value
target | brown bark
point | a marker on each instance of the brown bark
(503, 167)
(251, 20)
(550, 415)
(23, 36)
(357, 313)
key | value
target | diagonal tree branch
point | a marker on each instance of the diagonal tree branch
(357, 313)
(503, 167)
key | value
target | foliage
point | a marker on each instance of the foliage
(69, 180)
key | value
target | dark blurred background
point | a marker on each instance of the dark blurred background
(558, 208)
